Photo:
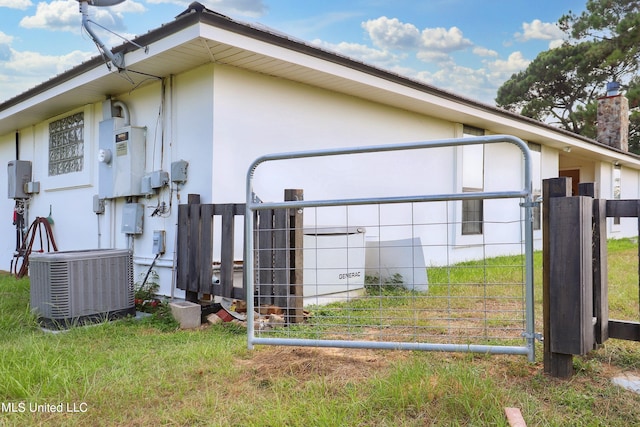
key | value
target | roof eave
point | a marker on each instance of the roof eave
(260, 34)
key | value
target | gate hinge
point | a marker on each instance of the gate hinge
(533, 204)
(536, 336)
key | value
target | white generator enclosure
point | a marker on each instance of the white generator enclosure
(333, 263)
(78, 287)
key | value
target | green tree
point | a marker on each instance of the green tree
(561, 86)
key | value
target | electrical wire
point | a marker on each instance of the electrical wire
(153, 263)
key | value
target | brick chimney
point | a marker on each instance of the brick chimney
(613, 118)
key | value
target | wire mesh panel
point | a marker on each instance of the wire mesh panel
(400, 272)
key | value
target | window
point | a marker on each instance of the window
(66, 145)
(472, 214)
(472, 181)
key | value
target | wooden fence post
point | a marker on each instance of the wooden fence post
(190, 294)
(296, 238)
(556, 364)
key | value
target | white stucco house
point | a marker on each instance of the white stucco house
(214, 94)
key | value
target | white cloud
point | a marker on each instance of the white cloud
(516, 62)
(25, 70)
(480, 84)
(58, 15)
(37, 64)
(129, 6)
(501, 70)
(556, 43)
(16, 4)
(433, 56)
(444, 40)
(5, 46)
(5, 38)
(483, 51)
(538, 30)
(392, 34)
(430, 44)
(468, 82)
(64, 15)
(381, 58)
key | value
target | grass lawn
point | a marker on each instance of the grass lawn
(136, 373)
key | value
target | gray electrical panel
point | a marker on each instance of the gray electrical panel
(132, 217)
(121, 157)
(19, 175)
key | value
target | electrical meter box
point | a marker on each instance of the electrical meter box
(121, 155)
(19, 175)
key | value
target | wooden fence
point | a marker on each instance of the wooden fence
(279, 255)
(575, 287)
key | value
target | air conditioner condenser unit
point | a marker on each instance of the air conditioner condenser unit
(80, 287)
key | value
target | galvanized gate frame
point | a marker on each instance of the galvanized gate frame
(526, 193)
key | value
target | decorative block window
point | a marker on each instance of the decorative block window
(66, 145)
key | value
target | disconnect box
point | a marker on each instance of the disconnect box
(158, 242)
(19, 175)
(132, 217)
(179, 171)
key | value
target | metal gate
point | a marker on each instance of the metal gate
(393, 272)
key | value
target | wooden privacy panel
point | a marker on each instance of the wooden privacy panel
(195, 249)
(279, 253)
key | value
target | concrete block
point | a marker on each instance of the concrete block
(186, 313)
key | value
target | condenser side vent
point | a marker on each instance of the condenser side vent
(78, 287)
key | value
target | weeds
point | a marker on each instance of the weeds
(147, 301)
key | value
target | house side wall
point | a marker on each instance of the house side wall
(307, 118)
(257, 114)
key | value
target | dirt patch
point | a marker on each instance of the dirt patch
(303, 363)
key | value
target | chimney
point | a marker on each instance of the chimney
(613, 118)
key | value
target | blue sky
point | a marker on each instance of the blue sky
(469, 47)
